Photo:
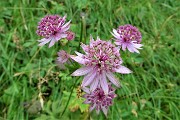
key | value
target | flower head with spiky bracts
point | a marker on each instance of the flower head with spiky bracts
(52, 28)
(101, 60)
(63, 56)
(99, 100)
(128, 36)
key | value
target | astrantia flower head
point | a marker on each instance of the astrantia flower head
(99, 100)
(63, 56)
(52, 28)
(101, 60)
(128, 36)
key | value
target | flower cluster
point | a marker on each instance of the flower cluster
(99, 100)
(129, 37)
(63, 56)
(52, 28)
(100, 60)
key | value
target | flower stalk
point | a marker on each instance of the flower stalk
(73, 86)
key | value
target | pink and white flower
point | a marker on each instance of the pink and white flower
(63, 56)
(52, 28)
(99, 100)
(128, 36)
(100, 61)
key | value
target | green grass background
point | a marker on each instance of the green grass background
(152, 92)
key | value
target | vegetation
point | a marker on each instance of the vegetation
(29, 76)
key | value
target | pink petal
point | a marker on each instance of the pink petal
(79, 54)
(62, 21)
(117, 43)
(65, 29)
(92, 107)
(124, 45)
(138, 46)
(135, 50)
(104, 110)
(91, 40)
(115, 34)
(87, 101)
(63, 35)
(82, 71)
(94, 84)
(85, 95)
(66, 26)
(103, 82)
(84, 47)
(78, 59)
(64, 18)
(97, 111)
(44, 41)
(98, 38)
(88, 79)
(59, 36)
(130, 47)
(113, 79)
(52, 43)
(123, 70)
(62, 60)
(85, 89)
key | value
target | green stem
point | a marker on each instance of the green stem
(74, 65)
(84, 28)
(73, 86)
(81, 35)
(83, 31)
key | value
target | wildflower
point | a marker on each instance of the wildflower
(101, 60)
(129, 37)
(70, 35)
(99, 100)
(63, 56)
(52, 28)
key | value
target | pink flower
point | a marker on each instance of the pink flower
(70, 35)
(52, 28)
(129, 37)
(100, 61)
(63, 56)
(99, 100)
